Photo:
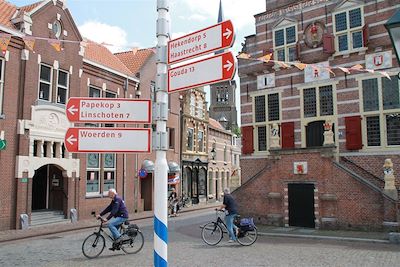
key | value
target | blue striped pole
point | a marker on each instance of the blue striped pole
(160, 140)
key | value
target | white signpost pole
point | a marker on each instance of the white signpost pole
(160, 139)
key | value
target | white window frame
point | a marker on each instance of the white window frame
(108, 169)
(66, 88)
(200, 108)
(92, 169)
(285, 46)
(348, 31)
(381, 113)
(193, 104)
(2, 62)
(46, 82)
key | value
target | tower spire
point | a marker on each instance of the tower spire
(220, 12)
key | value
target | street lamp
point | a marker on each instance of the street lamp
(213, 153)
(393, 27)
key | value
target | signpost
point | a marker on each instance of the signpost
(213, 38)
(103, 140)
(114, 110)
(3, 144)
(203, 72)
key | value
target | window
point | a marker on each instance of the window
(262, 138)
(1, 85)
(190, 139)
(381, 110)
(193, 105)
(45, 83)
(273, 107)
(200, 112)
(93, 173)
(62, 87)
(225, 153)
(94, 92)
(56, 28)
(349, 29)
(201, 140)
(318, 101)
(109, 171)
(285, 43)
(259, 103)
(171, 134)
(222, 95)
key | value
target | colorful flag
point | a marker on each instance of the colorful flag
(384, 73)
(346, 70)
(29, 42)
(56, 44)
(300, 66)
(4, 41)
(243, 56)
(282, 64)
(357, 67)
(331, 71)
(266, 58)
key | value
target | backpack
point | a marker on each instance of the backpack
(132, 230)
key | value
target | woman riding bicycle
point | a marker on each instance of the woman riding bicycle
(229, 204)
(118, 214)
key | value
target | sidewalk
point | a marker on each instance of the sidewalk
(49, 229)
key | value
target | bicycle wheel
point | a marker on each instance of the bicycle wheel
(93, 245)
(211, 233)
(134, 244)
(248, 238)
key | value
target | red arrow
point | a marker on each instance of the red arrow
(71, 140)
(73, 109)
(227, 33)
(228, 63)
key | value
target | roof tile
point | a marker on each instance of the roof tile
(215, 124)
(135, 59)
(7, 10)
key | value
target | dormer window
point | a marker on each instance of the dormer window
(285, 39)
(57, 28)
(348, 27)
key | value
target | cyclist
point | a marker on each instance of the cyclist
(229, 204)
(118, 214)
(173, 202)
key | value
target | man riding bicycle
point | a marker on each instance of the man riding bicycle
(118, 214)
(230, 206)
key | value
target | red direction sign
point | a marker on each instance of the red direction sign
(201, 42)
(108, 140)
(207, 71)
(114, 110)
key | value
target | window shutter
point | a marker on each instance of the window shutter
(298, 50)
(365, 32)
(247, 140)
(287, 134)
(329, 43)
(353, 132)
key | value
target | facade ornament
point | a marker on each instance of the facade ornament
(275, 139)
(389, 176)
(328, 133)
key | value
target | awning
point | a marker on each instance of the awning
(148, 165)
(173, 179)
(174, 167)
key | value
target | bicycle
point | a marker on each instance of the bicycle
(213, 232)
(132, 240)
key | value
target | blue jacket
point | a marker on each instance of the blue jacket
(116, 208)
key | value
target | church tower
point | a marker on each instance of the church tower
(222, 99)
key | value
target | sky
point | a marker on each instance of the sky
(131, 23)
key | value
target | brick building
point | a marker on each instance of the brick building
(314, 142)
(37, 173)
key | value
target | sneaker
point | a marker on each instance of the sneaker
(231, 241)
(112, 249)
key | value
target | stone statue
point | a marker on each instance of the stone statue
(390, 187)
(274, 139)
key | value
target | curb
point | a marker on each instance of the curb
(352, 239)
(32, 235)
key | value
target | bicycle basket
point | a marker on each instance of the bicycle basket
(132, 230)
(247, 224)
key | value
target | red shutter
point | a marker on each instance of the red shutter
(353, 132)
(287, 134)
(329, 43)
(365, 31)
(298, 51)
(247, 140)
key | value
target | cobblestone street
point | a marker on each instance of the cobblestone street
(187, 249)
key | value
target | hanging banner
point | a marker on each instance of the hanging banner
(4, 41)
(173, 179)
(56, 44)
(29, 42)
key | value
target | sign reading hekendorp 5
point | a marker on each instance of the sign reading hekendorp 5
(113, 110)
(211, 70)
(104, 140)
(213, 38)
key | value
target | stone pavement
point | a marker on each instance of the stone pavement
(295, 232)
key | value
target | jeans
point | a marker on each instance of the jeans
(113, 224)
(229, 224)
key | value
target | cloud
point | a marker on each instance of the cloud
(240, 12)
(104, 33)
(197, 17)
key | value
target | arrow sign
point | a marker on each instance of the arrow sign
(108, 140)
(213, 38)
(3, 144)
(207, 71)
(114, 110)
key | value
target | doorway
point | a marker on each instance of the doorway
(48, 189)
(146, 191)
(301, 205)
